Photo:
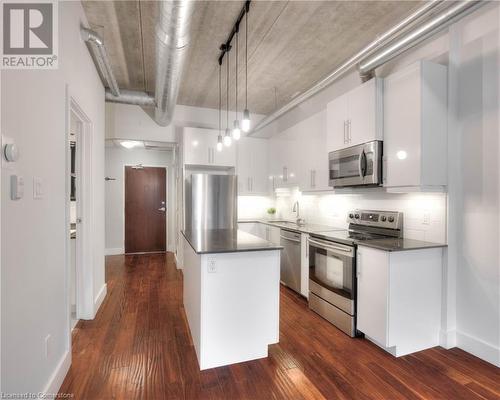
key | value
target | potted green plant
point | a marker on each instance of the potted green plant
(271, 211)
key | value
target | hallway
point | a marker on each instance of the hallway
(139, 347)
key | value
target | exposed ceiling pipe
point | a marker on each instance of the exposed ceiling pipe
(131, 97)
(98, 50)
(172, 39)
(418, 35)
(386, 38)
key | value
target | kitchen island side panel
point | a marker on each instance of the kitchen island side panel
(192, 293)
(240, 306)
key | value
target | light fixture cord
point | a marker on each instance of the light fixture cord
(246, 60)
(220, 98)
(237, 41)
(227, 91)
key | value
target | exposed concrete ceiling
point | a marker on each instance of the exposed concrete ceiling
(291, 45)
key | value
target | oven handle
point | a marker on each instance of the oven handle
(324, 246)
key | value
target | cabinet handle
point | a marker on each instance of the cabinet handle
(358, 264)
(248, 184)
(251, 183)
(349, 137)
(285, 174)
(345, 123)
(209, 155)
(312, 178)
(384, 169)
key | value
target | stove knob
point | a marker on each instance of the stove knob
(391, 219)
(384, 218)
(351, 216)
(356, 216)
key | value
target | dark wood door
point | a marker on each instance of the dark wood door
(145, 216)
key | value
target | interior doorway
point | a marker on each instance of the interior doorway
(74, 171)
(145, 209)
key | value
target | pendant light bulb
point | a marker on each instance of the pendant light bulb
(245, 122)
(227, 138)
(236, 130)
(219, 143)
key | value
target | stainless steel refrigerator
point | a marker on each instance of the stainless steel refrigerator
(211, 202)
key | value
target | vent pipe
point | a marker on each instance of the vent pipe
(397, 39)
(418, 35)
(100, 55)
(172, 39)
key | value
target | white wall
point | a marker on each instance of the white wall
(116, 159)
(125, 121)
(471, 312)
(34, 298)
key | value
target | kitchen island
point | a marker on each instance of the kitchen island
(231, 295)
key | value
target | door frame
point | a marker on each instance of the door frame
(84, 265)
(167, 205)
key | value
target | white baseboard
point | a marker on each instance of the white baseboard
(448, 339)
(114, 251)
(57, 378)
(100, 298)
(479, 348)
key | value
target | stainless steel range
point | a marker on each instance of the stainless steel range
(332, 264)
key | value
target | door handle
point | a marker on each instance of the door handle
(162, 209)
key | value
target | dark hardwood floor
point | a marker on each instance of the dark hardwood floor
(139, 347)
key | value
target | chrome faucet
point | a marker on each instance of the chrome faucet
(296, 209)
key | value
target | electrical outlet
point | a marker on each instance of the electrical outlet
(212, 267)
(48, 346)
(426, 218)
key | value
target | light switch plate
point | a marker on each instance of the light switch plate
(37, 187)
(16, 187)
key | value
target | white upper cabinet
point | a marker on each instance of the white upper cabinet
(252, 168)
(200, 148)
(313, 157)
(415, 127)
(356, 117)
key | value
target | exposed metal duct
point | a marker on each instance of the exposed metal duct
(413, 38)
(131, 97)
(172, 39)
(96, 45)
(389, 38)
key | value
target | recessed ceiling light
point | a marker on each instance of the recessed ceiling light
(130, 144)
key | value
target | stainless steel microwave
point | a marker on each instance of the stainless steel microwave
(359, 165)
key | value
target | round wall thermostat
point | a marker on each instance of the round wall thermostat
(11, 152)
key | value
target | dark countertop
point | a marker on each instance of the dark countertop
(226, 241)
(382, 243)
(399, 244)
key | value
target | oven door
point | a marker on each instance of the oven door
(332, 273)
(357, 165)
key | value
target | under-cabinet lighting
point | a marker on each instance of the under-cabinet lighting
(130, 144)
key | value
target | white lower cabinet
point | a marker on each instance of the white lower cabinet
(399, 298)
(259, 229)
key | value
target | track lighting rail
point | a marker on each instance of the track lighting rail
(226, 47)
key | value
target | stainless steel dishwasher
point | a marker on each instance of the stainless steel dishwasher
(290, 259)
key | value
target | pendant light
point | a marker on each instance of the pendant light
(227, 136)
(236, 124)
(245, 122)
(219, 138)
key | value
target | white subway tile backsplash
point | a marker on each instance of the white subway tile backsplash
(424, 213)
